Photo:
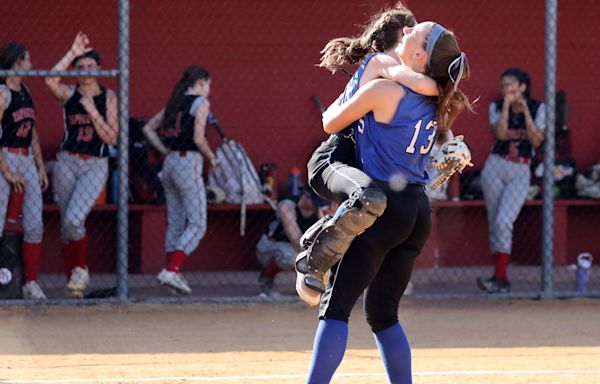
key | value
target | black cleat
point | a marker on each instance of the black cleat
(493, 285)
(266, 283)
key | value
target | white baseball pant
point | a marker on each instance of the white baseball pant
(181, 177)
(24, 165)
(77, 183)
(505, 186)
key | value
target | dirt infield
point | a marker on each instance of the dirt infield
(453, 342)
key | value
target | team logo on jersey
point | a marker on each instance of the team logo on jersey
(22, 114)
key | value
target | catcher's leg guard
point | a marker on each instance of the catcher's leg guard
(330, 244)
(308, 238)
(308, 295)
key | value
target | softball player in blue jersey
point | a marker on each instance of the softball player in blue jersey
(332, 168)
(178, 131)
(396, 131)
(21, 163)
(81, 169)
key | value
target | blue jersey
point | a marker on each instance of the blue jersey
(401, 147)
(351, 88)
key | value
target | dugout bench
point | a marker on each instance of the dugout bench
(459, 236)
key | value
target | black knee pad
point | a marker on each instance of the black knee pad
(364, 207)
(333, 237)
(373, 201)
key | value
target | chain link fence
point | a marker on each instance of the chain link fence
(256, 66)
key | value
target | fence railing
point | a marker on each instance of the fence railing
(121, 241)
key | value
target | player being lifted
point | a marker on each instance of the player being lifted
(81, 170)
(334, 170)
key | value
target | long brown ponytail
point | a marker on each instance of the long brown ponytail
(189, 77)
(448, 66)
(379, 35)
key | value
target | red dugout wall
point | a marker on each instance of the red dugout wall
(262, 56)
(262, 53)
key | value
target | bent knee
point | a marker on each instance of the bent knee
(196, 232)
(33, 235)
(373, 200)
(504, 224)
(201, 231)
(379, 323)
(73, 231)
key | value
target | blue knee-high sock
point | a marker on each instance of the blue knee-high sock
(395, 353)
(328, 350)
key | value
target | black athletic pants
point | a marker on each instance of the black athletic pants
(331, 170)
(381, 260)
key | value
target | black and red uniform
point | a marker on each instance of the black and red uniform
(180, 137)
(80, 134)
(18, 120)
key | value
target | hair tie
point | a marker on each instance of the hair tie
(460, 61)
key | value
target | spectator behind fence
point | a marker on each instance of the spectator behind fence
(21, 163)
(81, 170)
(181, 125)
(517, 123)
(277, 248)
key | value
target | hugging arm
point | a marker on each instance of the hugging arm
(369, 97)
(417, 82)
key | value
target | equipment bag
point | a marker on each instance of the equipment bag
(236, 176)
(11, 266)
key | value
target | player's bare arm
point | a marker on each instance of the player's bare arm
(335, 103)
(500, 128)
(150, 131)
(288, 218)
(417, 82)
(108, 129)
(16, 180)
(80, 46)
(534, 134)
(199, 134)
(371, 97)
(39, 160)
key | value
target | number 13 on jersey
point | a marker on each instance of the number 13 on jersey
(430, 139)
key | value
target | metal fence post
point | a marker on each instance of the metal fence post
(549, 151)
(123, 153)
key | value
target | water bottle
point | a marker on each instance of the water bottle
(294, 182)
(114, 186)
(582, 275)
